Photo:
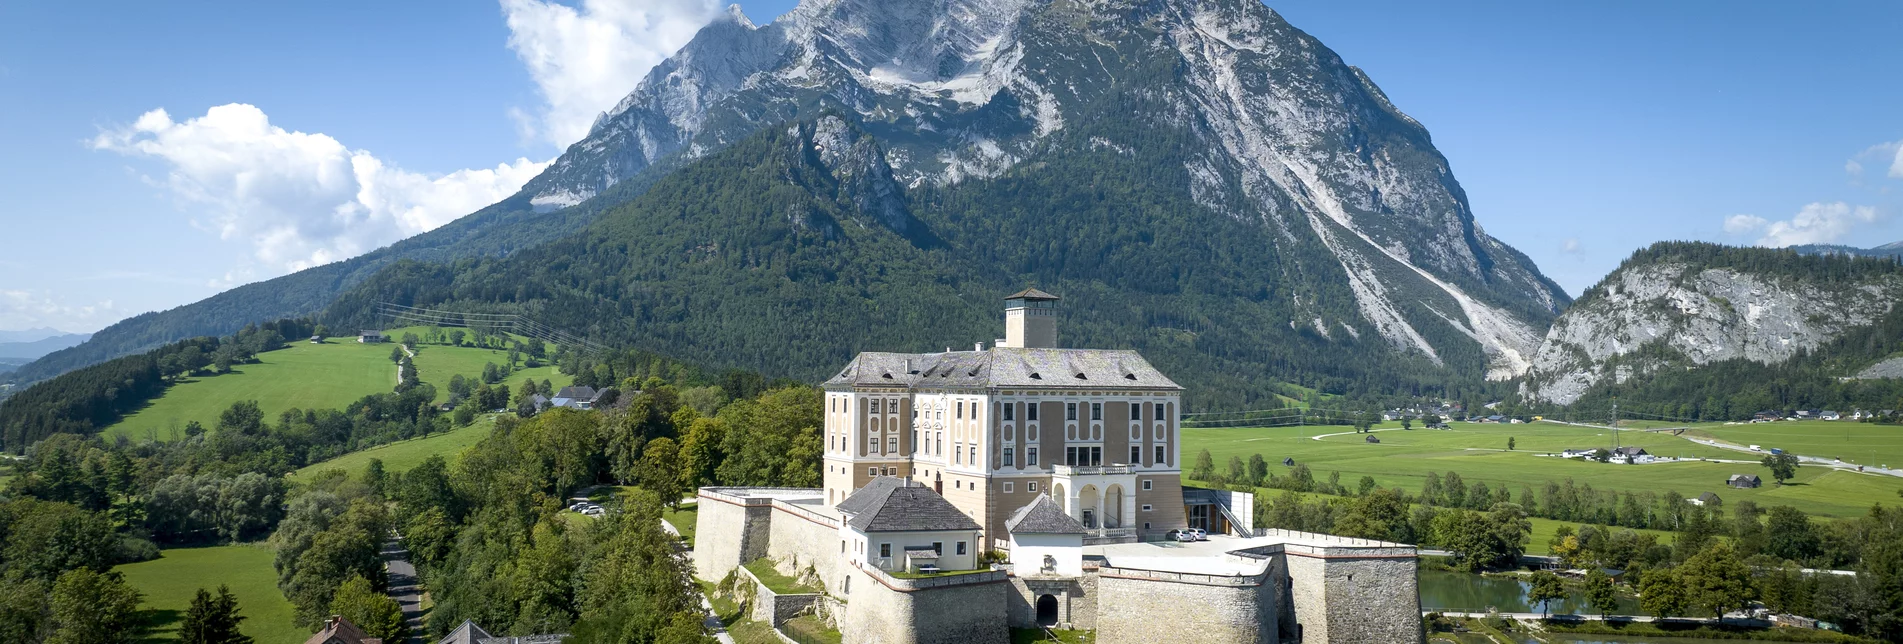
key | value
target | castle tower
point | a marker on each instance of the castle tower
(1030, 320)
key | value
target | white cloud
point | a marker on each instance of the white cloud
(1880, 155)
(585, 60)
(20, 309)
(1744, 224)
(1817, 223)
(301, 199)
(1572, 246)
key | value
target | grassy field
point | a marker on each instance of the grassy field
(301, 375)
(1404, 458)
(170, 581)
(403, 455)
(310, 376)
(683, 520)
(1859, 443)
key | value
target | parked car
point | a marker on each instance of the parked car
(1182, 535)
(1199, 534)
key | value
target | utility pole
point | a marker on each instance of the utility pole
(1615, 425)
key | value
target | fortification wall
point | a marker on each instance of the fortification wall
(1076, 601)
(728, 531)
(800, 539)
(1355, 594)
(1145, 607)
(945, 610)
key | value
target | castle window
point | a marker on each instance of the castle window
(1008, 462)
(958, 456)
(1009, 487)
(938, 548)
(1159, 455)
(961, 550)
(1030, 410)
(1096, 411)
(892, 444)
(892, 405)
(885, 549)
(872, 444)
(960, 413)
(1031, 486)
(1146, 485)
(1009, 411)
(1147, 508)
(1136, 411)
(974, 454)
(1030, 458)
(1159, 412)
(1136, 455)
(872, 471)
(1070, 411)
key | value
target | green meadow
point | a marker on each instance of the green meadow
(402, 455)
(300, 376)
(170, 581)
(310, 376)
(1478, 452)
(1859, 443)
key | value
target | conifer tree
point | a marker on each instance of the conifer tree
(213, 620)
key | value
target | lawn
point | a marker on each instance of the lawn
(1859, 443)
(301, 376)
(683, 520)
(1404, 458)
(762, 569)
(402, 455)
(170, 581)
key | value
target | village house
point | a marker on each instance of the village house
(1706, 499)
(370, 337)
(1744, 481)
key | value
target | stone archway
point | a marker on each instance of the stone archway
(1089, 509)
(1113, 506)
(1046, 610)
(1057, 494)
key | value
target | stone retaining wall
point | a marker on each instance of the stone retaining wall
(960, 609)
(775, 608)
(1147, 606)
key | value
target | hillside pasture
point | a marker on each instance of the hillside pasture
(300, 376)
(438, 363)
(170, 581)
(1404, 458)
(402, 455)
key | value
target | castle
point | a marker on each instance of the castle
(1065, 465)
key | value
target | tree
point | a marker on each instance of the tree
(1237, 471)
(1602, 455)
(1546, 589)
(1783, 466)
(374, 612)
(1509, 443)
(397, 354)
(1660, 593)
(456, 337)
(1365, 485)
(1407, 423)
(661, 473)
(1600, 593)
(93, 608)
(1258, 469)
(212, 620)
(465, 414)
(1205, 467)
(1716, 580)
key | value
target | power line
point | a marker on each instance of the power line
(491, 322)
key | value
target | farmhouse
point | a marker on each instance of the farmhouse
(370, 337)
(1064, 464)
(575, 397)
(1706, 499)
(1744, 481)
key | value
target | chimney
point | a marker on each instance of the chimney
(1030, 320)
(978, 346)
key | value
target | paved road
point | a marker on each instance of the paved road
(404, 586)
(1589, 618)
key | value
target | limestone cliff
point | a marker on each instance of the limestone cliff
(1666, 309)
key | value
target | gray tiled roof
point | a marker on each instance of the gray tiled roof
(467, 633)
(1006, 367)
(1042, 516)
(889, 504)
(1032, 294)
(577, 393)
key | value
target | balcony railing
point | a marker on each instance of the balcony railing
(1090, 470)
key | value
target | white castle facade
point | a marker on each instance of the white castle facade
(1029, 485)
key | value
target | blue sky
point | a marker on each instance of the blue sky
(1581, 131)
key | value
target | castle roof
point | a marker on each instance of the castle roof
(1031, 294)
(1006, 367)
(467, 633)
(891, 504)
(1042, 516)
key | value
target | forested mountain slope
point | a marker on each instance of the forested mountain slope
(1726, 331)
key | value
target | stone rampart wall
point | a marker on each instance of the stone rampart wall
(728, 531)
(802, 540)
(1145, 607)
(961, 609)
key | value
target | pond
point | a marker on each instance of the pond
(1463, 592)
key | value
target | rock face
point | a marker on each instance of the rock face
(1649, 316)
(1283, 134)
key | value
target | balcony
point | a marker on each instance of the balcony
(1091, 470)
